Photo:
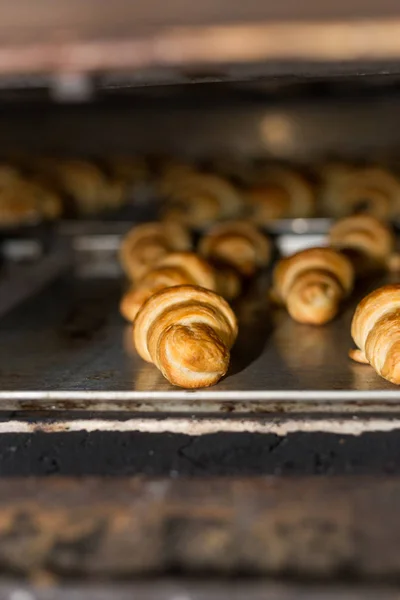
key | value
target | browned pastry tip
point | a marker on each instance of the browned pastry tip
(312, 283)
(239, 245)
(376, 331)
(145, 245)
(198, 271)
(367, 241)
(187, 332)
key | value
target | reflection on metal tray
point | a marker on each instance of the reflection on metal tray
(67, 347)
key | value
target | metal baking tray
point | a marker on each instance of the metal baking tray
(65, 346)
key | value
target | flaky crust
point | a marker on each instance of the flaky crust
(376, 331)
(187, 332)
(177, 268)
(145, 245)
(368, 242)
(239, 245)
(312, 283)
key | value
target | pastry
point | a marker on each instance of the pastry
(146, 244)
(177, 268)
(376, 331)
(312, 283)
(25, 202)
(239, 245)
(199, 199)
(187, 332)
(366, 241)
(371, 190)
(281, 192)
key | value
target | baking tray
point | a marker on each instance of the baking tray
(65, 347)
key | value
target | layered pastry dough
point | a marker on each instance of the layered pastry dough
(371, 190)
(178, 268)
(199, 199)
(281, 193)
(239, 245)
(147, 244)
(366, 241)
(376, 331)
(312, 283)
(187, 332)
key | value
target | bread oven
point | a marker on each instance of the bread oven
(193, 202)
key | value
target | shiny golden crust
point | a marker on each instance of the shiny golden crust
(157, 279)
(145, 245)
(371, 241)
(300, 197)
(376, 331)
(238, 245)
(187, 332)
(199, 199)
(177, 268)
(312, 283)
(372, 190)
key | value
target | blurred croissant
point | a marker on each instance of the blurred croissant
(146, 244)
(350, 190)
(281, 193)
(312, 283)
(178, 268)
(376, 331)
(239, 245)
(199, 199)
(366, 241)
(187, 332)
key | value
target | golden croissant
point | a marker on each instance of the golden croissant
(282, 192)
(187, 332)
(366, 241)
(177, 268)
(312, 283)
(199, 199)
(239, 245)
(146, 244)
(376, 331)
(371, 190)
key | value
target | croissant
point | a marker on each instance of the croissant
(371, 190)
(312, 283)
(146, 244)
(200, 199)
(187, 332)
(366, 241)
(178, 268)
(239, 245)
(376, 331)
(281, 193)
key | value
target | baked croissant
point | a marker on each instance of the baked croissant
(366, 241)
(178, 268)
(239, 245)
(371, 190)
(146, 244)
(376, 331)
(312, 283)
(281, 193)
(187, 332)
(199, 199)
